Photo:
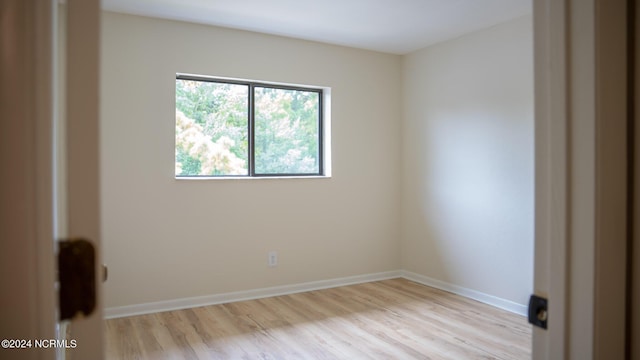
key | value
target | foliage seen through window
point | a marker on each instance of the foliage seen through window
(246, 129)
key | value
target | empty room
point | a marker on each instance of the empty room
(296, 179)
(338, 180)
(427, 176)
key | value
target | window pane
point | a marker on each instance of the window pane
(286, 131)
(211, 128)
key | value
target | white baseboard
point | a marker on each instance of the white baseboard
(185, 303)
(504, 304)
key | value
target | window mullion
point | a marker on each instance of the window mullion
(251, 108)
(320, 134)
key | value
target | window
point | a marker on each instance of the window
(237, 128)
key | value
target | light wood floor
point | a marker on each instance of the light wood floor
(391, 319)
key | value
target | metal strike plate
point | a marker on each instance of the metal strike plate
(77, 278)
(538, 311)
(105, 273)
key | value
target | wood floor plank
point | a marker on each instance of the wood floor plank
(295, 310)
(391, 319)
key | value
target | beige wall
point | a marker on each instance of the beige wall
(166, 239)
(432, 166)
(467, 179)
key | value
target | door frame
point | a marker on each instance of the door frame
(551, 158)
(28, 95)
(27, 305)
(581, 189)
(82, 160)
(634, 281)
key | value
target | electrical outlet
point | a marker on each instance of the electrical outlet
(273, 258)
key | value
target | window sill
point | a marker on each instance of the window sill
(218, 178)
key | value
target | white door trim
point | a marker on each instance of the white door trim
(635, 256)
(580, 177)
(27, 259)
(27, 304)
(551, 193)
(82, 156)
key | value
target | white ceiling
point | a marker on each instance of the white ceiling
(392, 26)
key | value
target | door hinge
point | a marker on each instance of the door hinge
(77, 278)
(538, 311)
